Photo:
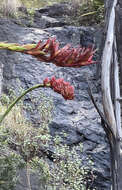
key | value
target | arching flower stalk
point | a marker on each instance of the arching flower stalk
(49, 51)
(58, 85)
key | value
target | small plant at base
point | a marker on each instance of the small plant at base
(66, 170)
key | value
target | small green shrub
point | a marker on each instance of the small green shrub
(66, 171)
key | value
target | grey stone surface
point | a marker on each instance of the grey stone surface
(46, 22)
(57, 10)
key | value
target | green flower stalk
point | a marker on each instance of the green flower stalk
(18, 47)
(58, 85)
(19, 98)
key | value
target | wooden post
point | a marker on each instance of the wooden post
(106, 69)
(113, 112)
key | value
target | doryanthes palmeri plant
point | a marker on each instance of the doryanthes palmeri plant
(49, 51)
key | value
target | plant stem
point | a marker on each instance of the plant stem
(16, 47)
(18, 98)
(19, 48)
(28, 175)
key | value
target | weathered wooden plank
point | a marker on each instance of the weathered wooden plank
(113, 115)
(117, 92)
(106, 68)
(118, 25)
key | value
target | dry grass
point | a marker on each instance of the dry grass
(9, 7)
(16, 123)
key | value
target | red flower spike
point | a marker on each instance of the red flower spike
(63, 57)
(61, 87)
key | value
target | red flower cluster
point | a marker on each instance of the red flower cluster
(63, 57)
(61, 87)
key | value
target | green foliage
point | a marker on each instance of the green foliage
(87, 13)
(56, 165)
(18, 134)
(40, 167)
(10, 162)
(66, 172)
(8, 170)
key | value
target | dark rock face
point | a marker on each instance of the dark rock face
(52, 16)
(56, 10)
(78, 118)
(86, 39)
(46, 22)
